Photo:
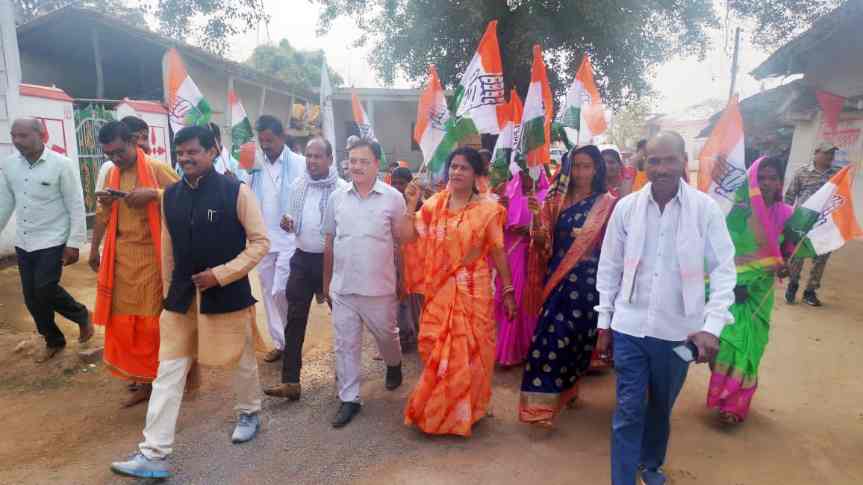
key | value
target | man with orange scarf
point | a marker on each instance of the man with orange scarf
(129, 292)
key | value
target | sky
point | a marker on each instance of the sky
(679, 83)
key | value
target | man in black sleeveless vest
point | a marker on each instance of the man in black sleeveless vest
(213, 234)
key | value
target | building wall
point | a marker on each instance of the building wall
(393, 125)
(10, 78)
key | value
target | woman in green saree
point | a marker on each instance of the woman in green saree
(755, 223)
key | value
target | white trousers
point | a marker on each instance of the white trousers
(349, 313)
(273, 272)
(164, 406)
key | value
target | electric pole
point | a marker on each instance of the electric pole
(734, 62)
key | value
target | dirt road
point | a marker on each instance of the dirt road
(62, 422)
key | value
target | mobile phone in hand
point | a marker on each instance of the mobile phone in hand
(116, 193)
(687, 351)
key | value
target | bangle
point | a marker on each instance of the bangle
(508, 289)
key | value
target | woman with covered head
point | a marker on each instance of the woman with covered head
(568, 238)
(452, 240)
(513, 335)
(755, 223)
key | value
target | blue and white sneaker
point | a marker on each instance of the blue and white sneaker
(142, 467)
(652, 476)
(247, 428)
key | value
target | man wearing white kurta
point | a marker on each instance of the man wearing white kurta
(661, 244)
(271, 180)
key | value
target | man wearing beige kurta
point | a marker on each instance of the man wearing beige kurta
(213, 234)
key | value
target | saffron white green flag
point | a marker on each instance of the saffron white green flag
(722, 161)
(826, 220)
(241, 127)
(480, 97)
(535, 139)
(186, 104)
(433, 121)
(583, 109)
(502, 152)
(364, 124)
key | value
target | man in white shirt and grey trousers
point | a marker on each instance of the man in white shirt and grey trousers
(271, 180)
(662, 245)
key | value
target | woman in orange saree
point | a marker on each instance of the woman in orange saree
(449, 243)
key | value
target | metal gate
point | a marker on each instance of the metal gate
(89, 119)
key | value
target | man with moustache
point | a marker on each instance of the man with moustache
(271, 180)
(129, 289)
(213, 234)
(310, 196)
(360, 227)
(661, 244)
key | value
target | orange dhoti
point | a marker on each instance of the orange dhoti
(129, 294)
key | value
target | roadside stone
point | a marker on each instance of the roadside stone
(24, 346)
(91, 356)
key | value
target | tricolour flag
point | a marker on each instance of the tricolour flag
(722, 161)
(535, 139)
(328, 120)
(241, 132)
(481, 97)
(186, 104)
(583, 108)
(502, 153)
(826, 220)
(433, 120)
(364, 124)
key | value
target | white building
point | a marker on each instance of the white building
(828, 56)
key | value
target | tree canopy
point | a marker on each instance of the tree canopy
(625, 39)
(300, 69)
(214, 22)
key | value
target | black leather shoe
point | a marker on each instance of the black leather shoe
(810, 298)
(791, 294)
(394, 377)
(346, 413)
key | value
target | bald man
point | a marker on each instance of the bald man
(45, 189)
(661, 244)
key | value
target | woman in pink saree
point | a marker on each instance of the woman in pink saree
(514, 335)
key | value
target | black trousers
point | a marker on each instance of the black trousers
(40, 281)
(307, 277)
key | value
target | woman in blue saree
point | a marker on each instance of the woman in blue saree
(568, 231)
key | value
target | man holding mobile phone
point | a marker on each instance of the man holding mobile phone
(129, 296)
(662, 242)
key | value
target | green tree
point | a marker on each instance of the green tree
(214, 22)
(27, 10)
(300, 69)
(626, 39)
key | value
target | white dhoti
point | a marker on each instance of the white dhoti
(349, 313)
(273, 272)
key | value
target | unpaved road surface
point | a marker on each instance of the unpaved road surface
(62, 422)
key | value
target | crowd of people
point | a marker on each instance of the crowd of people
(598, 263)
